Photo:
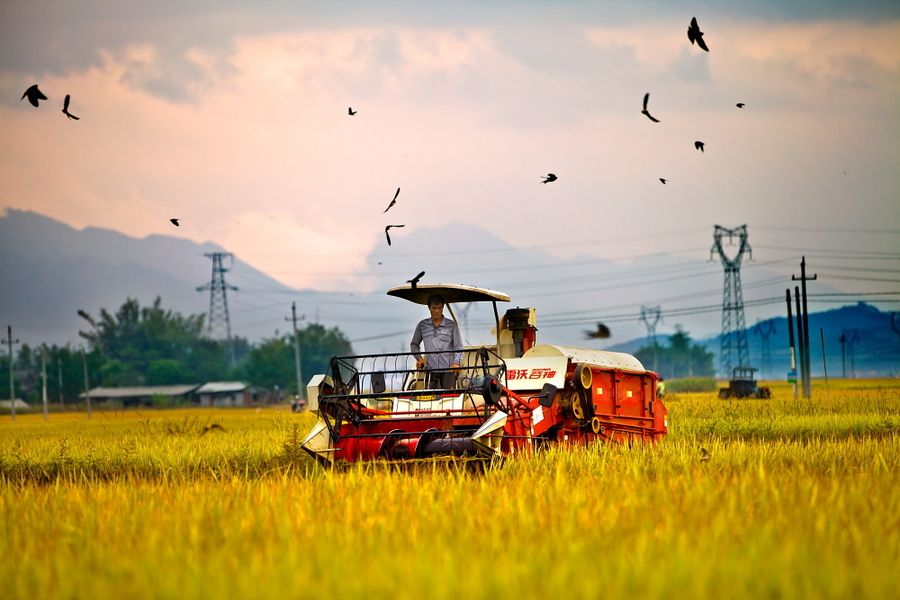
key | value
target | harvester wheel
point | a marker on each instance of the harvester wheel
(577, 410)
(583, 377)
(491, 391)
(596, 427)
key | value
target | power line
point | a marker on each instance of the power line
(827, 229)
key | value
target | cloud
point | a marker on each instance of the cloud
(252, 129)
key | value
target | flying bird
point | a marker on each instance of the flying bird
(350, 111)
(174, 222)
(740, 105)
(394, 201)
(602, 332)
(33, 94)
(415, 280)
(388, 235)
(211, 427)
(699, 145)
(549, 178)
(65, 109)
(662, 179)
(647, 113)
(695, 35)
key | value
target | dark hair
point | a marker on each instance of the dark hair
(435, 298)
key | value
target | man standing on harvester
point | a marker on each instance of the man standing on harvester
(439, 334)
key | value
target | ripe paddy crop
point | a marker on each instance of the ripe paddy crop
(777, 498)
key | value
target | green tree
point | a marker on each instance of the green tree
(272, 362)
(165, 371)
(680, 358)
(135, 338)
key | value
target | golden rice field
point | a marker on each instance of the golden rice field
(796, 500)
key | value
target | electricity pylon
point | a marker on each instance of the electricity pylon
(734, 351)
(650, 316)
(218, 325)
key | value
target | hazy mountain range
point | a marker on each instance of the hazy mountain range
(49, 270)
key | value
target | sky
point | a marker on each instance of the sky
(233, 117)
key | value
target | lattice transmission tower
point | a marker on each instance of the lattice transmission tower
(650, 316)
(734, 351)
(218, 324)
(764, 329)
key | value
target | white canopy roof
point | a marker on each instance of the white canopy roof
(598, 358)
(452, 292)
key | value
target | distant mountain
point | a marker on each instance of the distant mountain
(50, 270)
(875, 353)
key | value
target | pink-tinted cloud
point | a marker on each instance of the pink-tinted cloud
(256, 151)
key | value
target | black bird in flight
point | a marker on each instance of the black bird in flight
(740, 105)
(698, 145)
(350, 111)
(549, 178)
(33, 94)
(695, 35)
(415, 280)
(394, 201)
(174, 222)
(601, 332)
(387, 235)
(211, 427)
(645, 112)
(662, 180)
(65, 109)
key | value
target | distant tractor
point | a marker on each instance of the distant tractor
(743, 385)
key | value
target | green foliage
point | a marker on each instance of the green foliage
(681, 358)
(65, 373)
(153, 346)
(138, 346)
(690, 384)
(272, 362)
(166, 371)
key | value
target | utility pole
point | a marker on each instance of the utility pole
(299, 372)
(843, 341)
(87, 385)
(803, 279)
(852, 338)
(824, 361)
(764, 329)
(733, 347)
(800, 347)
(44, 380)
(792, 376)
(218, 325)
(62, 401)
(651, 315)
(12, 380)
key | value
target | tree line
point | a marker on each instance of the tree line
(149, 345)
(679, 358)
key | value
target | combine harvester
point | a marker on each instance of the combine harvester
(504, 399)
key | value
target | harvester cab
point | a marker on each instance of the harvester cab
(507, 397)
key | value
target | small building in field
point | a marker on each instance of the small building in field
(224, 393)
(160, 395)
